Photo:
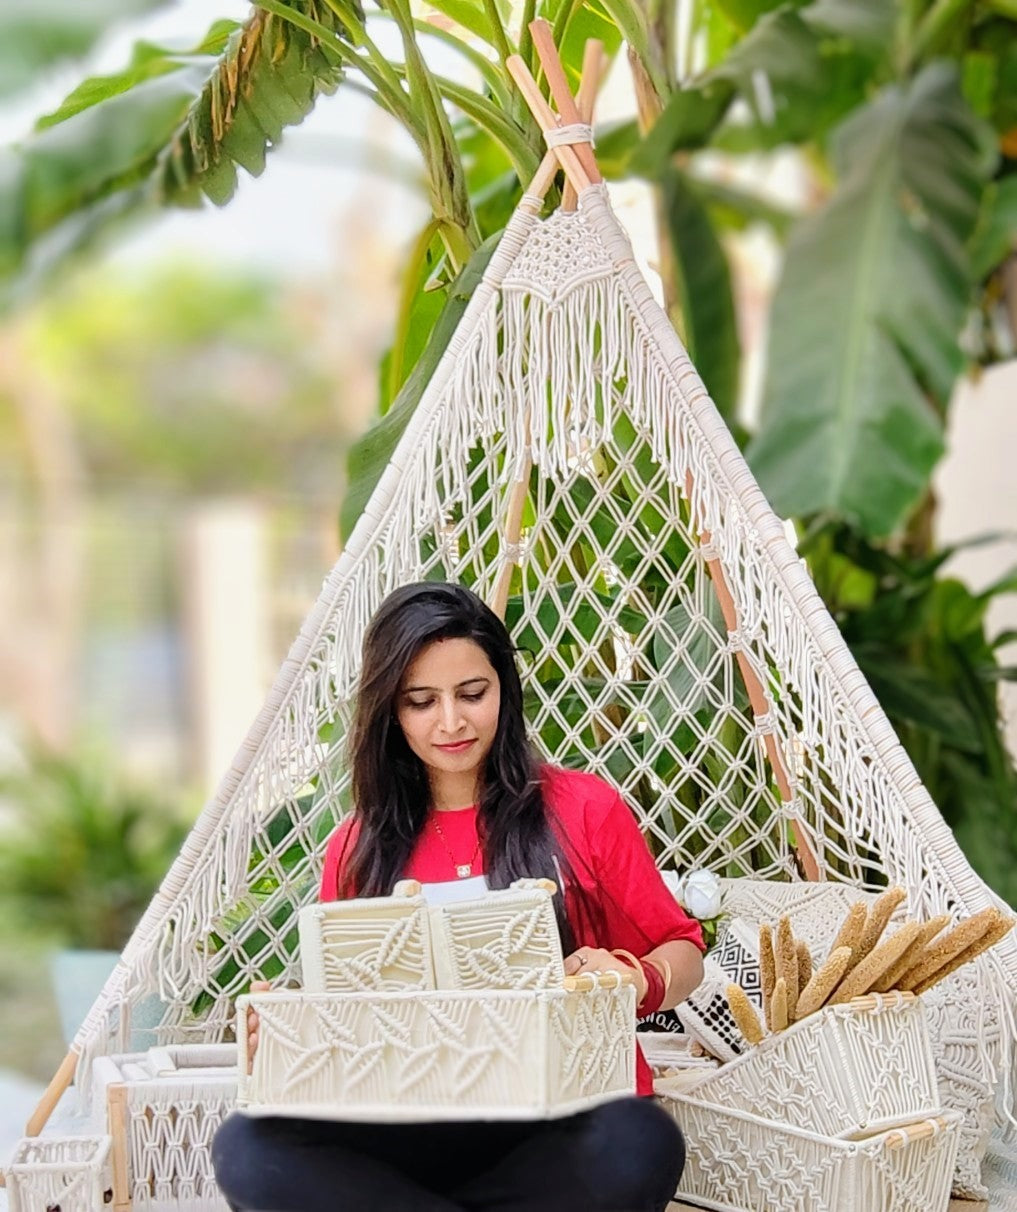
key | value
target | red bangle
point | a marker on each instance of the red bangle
(655, 990)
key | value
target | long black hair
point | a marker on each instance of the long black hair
(390, 784)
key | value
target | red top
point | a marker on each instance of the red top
(610, 860)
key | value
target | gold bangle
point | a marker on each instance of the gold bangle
(634, 963)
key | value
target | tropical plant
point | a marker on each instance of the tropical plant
(904, 113)
(83, 852)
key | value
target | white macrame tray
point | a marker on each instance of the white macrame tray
(505, 1054)
(161, 1109)
(845, 1071)
(738, 1162)
(507, 939)
(71, 1173)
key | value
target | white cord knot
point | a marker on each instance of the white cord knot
(575, 132)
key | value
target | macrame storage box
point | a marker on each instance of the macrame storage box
(162, 1108)
(966, 1029)
(71, 1173)
(847, 1071)
(565, 461)
(440, 1055)
(740, 1162)
(373, 944)
(507, 939)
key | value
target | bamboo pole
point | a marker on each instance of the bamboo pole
(52, 1094)
(586, 99)
(547, 120)
(759, 704)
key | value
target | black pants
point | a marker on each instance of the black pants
(624, 1156)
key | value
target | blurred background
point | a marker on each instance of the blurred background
(223, 253)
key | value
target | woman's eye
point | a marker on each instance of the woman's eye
(418, 706)
(474, 698)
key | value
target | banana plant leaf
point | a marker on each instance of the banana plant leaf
(172, 126)
(864, 350)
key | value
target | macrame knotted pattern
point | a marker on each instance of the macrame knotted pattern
(565, 378)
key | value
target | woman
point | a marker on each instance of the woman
(447, 788)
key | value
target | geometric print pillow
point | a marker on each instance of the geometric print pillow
(705, 1015)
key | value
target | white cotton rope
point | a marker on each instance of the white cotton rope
(574, 132)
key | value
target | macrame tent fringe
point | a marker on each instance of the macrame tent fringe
(565, 378)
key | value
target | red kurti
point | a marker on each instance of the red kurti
(607, 853)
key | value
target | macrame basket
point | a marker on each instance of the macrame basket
(507, 1054)
(71, 1173)
(847, 1070)
(162, 1108)
(965, 1027)
(740, 1161)
(507, 939)
(370, 945)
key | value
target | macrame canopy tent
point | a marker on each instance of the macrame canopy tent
(567, 463)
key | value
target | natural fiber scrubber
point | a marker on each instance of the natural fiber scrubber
(914, 958)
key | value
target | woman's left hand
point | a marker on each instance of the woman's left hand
(596, 959)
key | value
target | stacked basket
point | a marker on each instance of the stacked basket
(418, 1012)
(839, 1111)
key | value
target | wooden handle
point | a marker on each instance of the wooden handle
(587, 981)
(116, 1110)
(875, 1001)
(899, 1137)
(53, 1094)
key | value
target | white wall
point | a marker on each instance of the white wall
(977, 488)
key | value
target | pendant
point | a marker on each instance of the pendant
(464, 870)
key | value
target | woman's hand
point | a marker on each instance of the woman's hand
(254, 1023)
(596, 959)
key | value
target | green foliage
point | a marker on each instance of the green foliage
(131, 359)
(83, 853)
(864, 347)
(36, 34)
(172, 125)
(706, 303)
(920, 637)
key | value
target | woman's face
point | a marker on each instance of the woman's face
(447, 707)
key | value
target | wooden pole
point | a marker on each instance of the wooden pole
(543, 41)
(52, 1094)
(760, 706)
(547, 120)
(586, 100)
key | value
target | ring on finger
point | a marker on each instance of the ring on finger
(582, 959)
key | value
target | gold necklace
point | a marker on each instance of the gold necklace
(463, 870)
